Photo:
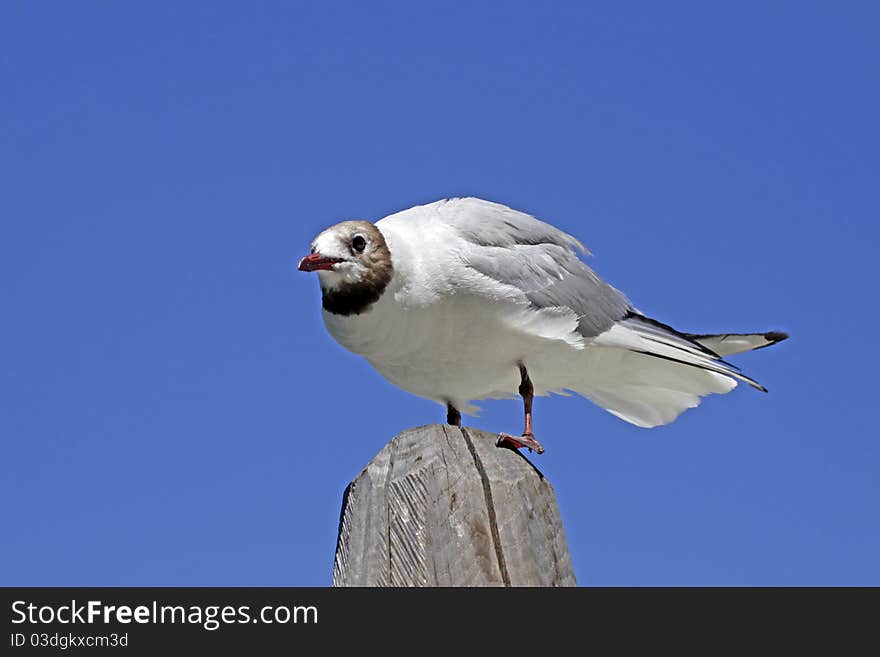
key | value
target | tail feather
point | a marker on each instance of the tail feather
(648, 373)
(650, 337)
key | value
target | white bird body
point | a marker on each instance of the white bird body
(477, 289)
(422, 348)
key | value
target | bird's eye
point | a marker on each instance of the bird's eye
(359, 243)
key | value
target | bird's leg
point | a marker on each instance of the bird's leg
(453, 417)
(527, 392)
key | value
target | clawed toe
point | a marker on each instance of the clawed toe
(526, 440)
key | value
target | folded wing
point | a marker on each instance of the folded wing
(641, 370)
(539, 260)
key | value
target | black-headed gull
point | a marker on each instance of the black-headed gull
(464, 299)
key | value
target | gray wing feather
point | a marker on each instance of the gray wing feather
(518, 250)
(492, 224)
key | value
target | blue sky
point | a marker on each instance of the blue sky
(172, 410)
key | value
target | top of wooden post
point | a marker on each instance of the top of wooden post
(443, 506)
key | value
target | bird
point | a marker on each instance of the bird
(465, 299)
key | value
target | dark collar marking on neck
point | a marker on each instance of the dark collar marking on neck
(353, 298)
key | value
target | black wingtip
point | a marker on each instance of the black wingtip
(772, 337)
(776, 336)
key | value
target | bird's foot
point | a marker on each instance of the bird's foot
(516, 442)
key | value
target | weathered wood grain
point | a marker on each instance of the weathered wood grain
(441, 506)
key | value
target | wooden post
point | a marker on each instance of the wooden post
(443, 506)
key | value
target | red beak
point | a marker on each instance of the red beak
(316, 261)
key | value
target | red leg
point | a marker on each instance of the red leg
(527, 392)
